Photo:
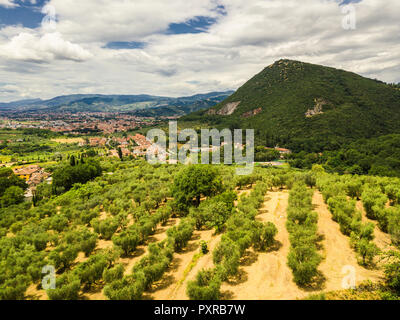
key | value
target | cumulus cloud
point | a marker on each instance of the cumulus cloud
(120, 20)
(13, 4)
(249, 36)
(50, 46)
(7, 3)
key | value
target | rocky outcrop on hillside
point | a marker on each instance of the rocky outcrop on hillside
(319, 103)
(226, 110)
(252, 113)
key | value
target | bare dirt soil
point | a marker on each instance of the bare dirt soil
(265, 275)
(33, 293)
(183, 267)
(337, 251)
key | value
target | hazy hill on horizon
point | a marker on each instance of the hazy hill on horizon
(157, 105)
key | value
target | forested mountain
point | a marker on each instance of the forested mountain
(119, 103)
(308, 107)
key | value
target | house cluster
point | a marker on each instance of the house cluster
(98, 142)
(77, 123)
(136, 145)
(33, 174)
(282, 151)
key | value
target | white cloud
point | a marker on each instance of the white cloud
(252, 35)
(120, 20)
(7, 3)
(45, 48)
(13, 4)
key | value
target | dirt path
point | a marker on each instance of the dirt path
(205, 262)
(265, 275)
(187, 264)
(382, 239)
(337, 251)
(184, 268)
(33, 293)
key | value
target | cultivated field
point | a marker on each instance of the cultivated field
(200, 232)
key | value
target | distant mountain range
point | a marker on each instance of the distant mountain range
(143, 105)
(307, 107)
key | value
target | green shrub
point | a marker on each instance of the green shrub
(14, 289)
(205, 287)
(113, 274)
(227, 254)
(373, 200)
(127, 240)
(394, 225)
(182, 233)
(392, 270)
(127, 288)
(152, 267)
(67, 288)
(106, 228)
(304, 261)
(204, 247)
(63, 256)
(266, 235)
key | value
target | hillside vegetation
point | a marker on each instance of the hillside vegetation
(307, 107)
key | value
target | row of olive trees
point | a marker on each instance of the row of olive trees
(85, 274)
(350, 220)
(341, 193)
(303, 257)
(242, 232)
(374, 201)
(375, 192)
(58, 229)
(150, 268)
(191, 184)
(97, 267)
(129, 238)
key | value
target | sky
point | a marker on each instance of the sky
(183, 47)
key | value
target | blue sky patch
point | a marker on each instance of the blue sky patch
(26, 14)
(349, 1)
(125, 45)
(195, 25)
